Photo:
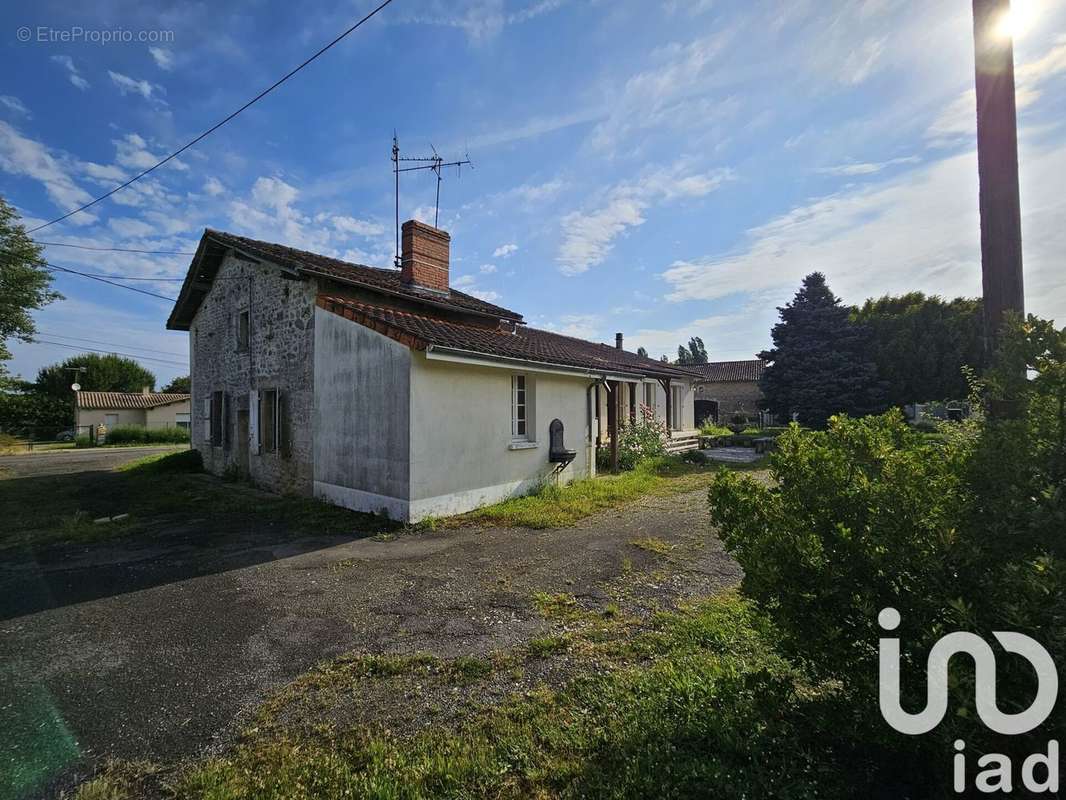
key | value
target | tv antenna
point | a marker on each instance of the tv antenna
(433, 162)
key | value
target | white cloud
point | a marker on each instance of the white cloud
(589, 236)
(674, 93)
(487, 296)
(464, 281)
(72, 71)
(128, 227)
(505, 250)
(916, 232)
(861, 61)
(580, 326)
(29, 158)
(103, 173)
(132, 151)
(487, 269)
(127, 85)
(480, 20)
(14, 104)
(164, 58)
(866, 168)
(353, 226)
(213, 187)
(537, 126)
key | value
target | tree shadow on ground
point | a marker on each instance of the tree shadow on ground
(54, 552)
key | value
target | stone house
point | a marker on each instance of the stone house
(724, 388)
(145, 409)
(388, 390)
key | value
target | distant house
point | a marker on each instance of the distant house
(145, 409)
(387, 389)
(725, 388)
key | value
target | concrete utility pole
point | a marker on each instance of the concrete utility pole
(997, 166)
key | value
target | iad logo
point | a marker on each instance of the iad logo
(998, 776)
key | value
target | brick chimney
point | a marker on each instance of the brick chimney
(424, 255)
(618, 340)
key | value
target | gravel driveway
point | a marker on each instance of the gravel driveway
(163, 666)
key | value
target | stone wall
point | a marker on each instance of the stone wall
(279, 355)
(731, 395)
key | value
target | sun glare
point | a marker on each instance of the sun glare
(1018, 20)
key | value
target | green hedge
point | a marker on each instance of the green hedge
(135, 434)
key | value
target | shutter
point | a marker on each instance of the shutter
(282, 424)
(207, 419)
(253, 422)
(227, 436)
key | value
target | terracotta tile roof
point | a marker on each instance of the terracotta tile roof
(214, 244)
(729, 371)
(127, 400)
(420, 331)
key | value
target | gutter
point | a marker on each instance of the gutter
(458, 355)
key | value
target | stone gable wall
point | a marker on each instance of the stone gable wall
(280, 355)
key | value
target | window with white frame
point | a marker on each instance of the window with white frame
(649, 395)
(520, 430)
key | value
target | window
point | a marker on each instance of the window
(268, 421)
(677, 399)
(216, 419)
(110, 421)
(181, 420)
(242, 331)
(649, 395)
(519, 408)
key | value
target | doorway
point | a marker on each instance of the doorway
(706, 410)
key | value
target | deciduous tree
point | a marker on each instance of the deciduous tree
(24, 283)
(103, 373)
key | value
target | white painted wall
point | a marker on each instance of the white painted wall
(361, 426)
(462, 454)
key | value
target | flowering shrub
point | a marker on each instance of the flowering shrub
(640, 440)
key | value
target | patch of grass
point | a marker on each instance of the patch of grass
(184, 461)
(546, 646)
(468, 669)
(652, 544)
(557, 606)
(699, 705)
(119, 780)
(560, 506)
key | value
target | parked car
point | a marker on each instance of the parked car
(68, 435)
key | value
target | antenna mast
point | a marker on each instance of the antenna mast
(433, 162)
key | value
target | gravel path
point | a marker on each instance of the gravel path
(164, 666)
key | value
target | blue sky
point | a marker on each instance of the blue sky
(662, 169)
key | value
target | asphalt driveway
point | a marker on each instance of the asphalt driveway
(182, 637)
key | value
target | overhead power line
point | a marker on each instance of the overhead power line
(118, 249)
(57, 268)
(217, 125)
(111, 352)
(55, 335)
(127, 277)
